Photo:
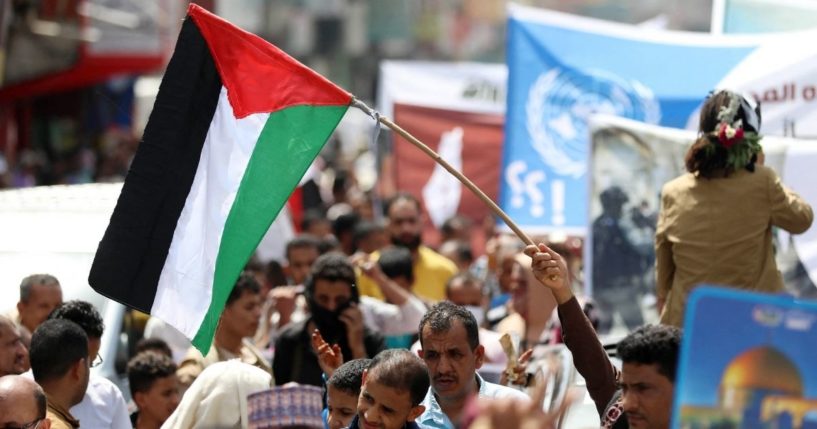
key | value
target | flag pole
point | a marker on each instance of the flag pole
(436, 157)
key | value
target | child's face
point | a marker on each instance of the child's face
(383, 407)
(342, 407)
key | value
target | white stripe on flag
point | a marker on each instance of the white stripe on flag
(186, 282)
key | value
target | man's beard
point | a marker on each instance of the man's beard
(412, 244)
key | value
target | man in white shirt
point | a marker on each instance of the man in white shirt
(103, 405)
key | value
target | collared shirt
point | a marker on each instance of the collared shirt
(103, 405)
(194, 363)
(434, 417)
(59, 416)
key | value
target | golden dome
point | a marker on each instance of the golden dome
(763, 368)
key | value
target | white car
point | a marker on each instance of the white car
(56, 230)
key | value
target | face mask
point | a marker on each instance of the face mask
(478, 313)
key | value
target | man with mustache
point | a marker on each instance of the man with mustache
(640, 395)
(449, 341)
(13, 354)
(404, 227)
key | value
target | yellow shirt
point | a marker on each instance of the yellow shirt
(60, 417)
(431, 272)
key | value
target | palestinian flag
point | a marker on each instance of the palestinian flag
(235, 125)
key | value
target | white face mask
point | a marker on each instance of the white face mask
(478, 313)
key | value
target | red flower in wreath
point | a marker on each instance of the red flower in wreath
(728, 136)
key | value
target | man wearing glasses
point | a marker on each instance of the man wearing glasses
(59, 362)
(22, 404)
(103, 406)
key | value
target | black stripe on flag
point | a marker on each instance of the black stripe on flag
(133, 250)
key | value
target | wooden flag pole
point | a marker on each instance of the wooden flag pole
(436, 157)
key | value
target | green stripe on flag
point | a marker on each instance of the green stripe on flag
(289, 142)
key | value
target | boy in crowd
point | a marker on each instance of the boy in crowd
(154, 388)
(393, 388)
(342, 392)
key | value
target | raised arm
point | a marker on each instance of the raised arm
(589, 356)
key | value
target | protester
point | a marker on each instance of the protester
(59, 362)
(238, 323)
(459, 252)
(642, 391)
(392, 391)
(466, 290)
(531, 318)
(343, 228)
(40, 294)
(154, 389)
(342, 392)
(158, 329)
(396, 318)
(449, 337)
(218, 397)
(103, 405)
(715, 223)
(370, 237)
(301, 253)
(333, 302)
(405, 226)
(22, 403)
(155, 345)
(13, 354)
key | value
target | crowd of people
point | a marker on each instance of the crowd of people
(366, 325)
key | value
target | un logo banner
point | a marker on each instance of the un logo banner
(562, 70)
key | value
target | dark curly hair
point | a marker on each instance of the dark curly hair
(712, 162)
(147, 367)
(83, 314)
(653, 344)
(440, 317)
(334, 267)
(246, 282)
(349, 376)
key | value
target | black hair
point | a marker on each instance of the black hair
(83, 314)
(274, 273)
(345, 224)
(441, 316)
(312, 216)
(401, 196)
(56, 345)
(364, 229)
(328, 244)
(303, 241)
(461, 248)
(246, 282)
(333, 266)
(349, 376)
(157, 345)
(653, 344)
(147, 367)
(402, 370)
(395, 261)
(451, 225)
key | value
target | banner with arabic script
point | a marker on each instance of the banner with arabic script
(563, 68)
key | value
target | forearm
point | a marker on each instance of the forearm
(392, 292)
(589, 356)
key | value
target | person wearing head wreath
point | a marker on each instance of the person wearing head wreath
(715, 223)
